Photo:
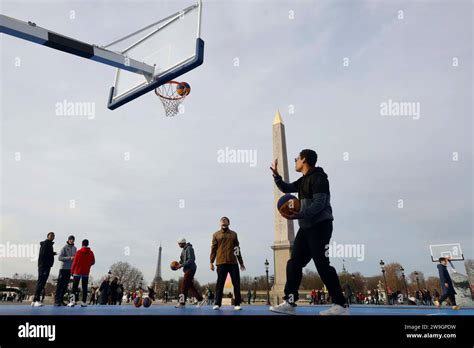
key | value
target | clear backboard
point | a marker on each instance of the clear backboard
(172, 46)
(452, 251)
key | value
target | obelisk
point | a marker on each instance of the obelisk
(284, 230)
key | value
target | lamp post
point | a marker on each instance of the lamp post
(268, 289)
(254, 289)
(402, 270)
(417, 279)
(382, 266)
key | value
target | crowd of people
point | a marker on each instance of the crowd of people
(12, 296)
(422, 297)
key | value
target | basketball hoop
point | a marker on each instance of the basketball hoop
(171, 94)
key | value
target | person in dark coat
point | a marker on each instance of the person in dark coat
(446, 284)
(151, 293)
(347, 291)
(113, 291)
(45, 262)
(104, 292)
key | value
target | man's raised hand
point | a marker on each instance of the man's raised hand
(274, 167)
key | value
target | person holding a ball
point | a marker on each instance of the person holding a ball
(312, 240)
(187, 262)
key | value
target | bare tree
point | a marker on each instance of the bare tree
(311, 280)
(371, 283)
(127, 275)
(394, 277)
(25, 276)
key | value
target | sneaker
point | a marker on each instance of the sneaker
(335, 309)
(71, 304)
(37, 304)
(437, 304)
(216, 307)
(237, 308)
(284, 308)
(456, 308)
(83, 304)
(180, 305)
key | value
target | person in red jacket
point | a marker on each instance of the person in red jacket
(81, 266)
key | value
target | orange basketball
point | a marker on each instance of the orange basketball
(174, 265)
(183, 89)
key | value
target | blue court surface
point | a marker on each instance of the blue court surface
(191, 310)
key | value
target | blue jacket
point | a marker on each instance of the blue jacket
(444, 277)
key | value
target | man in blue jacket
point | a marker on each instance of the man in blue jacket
(446, 284)
(312, 240)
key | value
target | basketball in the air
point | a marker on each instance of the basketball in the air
(288, 204)
(146, 302)
(137, 301)
(183, 89)
(174, 265)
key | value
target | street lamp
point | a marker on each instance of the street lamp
(402, 270)
(382, 266)
(255, 289)
(268, 289)
(417, 280)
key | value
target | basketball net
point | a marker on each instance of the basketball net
(170, 98)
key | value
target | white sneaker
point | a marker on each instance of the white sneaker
(237, 308)
(335, 309)
(83, 304)
(180, 305)
(284, 308)
(216, 307)
(36, 304)
(71, 304)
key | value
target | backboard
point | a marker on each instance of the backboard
(173, 46)
(452, 251)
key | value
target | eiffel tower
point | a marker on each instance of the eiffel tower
(157, 279)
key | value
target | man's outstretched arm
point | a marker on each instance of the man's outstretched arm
(283, 186)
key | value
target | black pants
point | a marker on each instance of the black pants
(75, 287)
(43, 274)
(222, 271)
(312, 243)
(449, 295)
(63, 281)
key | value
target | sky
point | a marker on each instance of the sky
(131, 178)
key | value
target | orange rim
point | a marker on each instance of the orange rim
(167, 97)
